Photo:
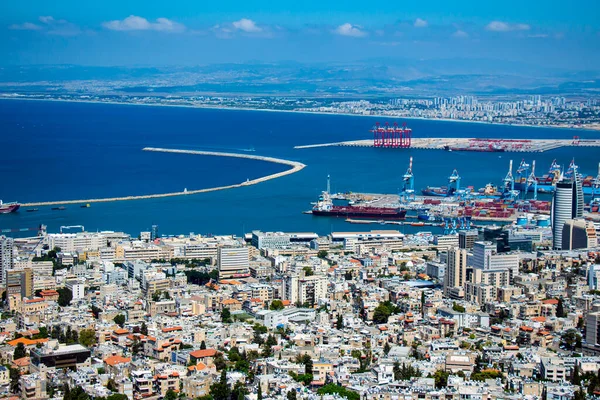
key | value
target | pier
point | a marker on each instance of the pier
(475, 144)
(295, 167)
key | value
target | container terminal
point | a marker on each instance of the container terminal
(401, 137)
(455, 207)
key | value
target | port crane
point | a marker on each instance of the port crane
(408, 189)
(532, 181)
(509, 180)
(454, 181)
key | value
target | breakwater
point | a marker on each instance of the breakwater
(295, 167)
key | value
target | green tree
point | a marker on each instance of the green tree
(20, 351)
(291, 394)
(14, 375)
(332, 388)
(276, 305)
(239, 391)
(87, 337)
(386, 348)
(308, 271)
(441, 378)
(486, 374)
(560, 309)
(170, 395)
(383, 311)
(144, 329)
(203, 345)
(226, 316)
(322, 254)
(112, 385)
(119, 320)
(220, 390)
(259, 393)
(339, 324)
(219, 362)
(65, 295)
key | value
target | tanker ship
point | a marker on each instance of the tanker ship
(7, 208)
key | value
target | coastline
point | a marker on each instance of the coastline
(587, 128)
(296, 167)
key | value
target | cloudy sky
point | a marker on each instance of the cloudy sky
(551, 33)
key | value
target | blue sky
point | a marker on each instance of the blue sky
(145, 32)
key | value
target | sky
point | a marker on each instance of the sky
(554, 34)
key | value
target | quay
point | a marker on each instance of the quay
(295, 167)
(474, 144)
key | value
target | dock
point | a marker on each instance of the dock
(295, 167)
(474, 144)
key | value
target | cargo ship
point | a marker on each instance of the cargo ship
(325, 207)
(493, 148)
(7, 208)
(442, 191)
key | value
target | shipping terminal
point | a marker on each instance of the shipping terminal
(453, 205)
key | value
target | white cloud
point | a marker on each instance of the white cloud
(420, 23)
(460, 34)
(247, 25)
(348, 29)
(135, 23)
(499, 26)
(47, 19)
(25, 26)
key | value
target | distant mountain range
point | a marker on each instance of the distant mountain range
(369, 78)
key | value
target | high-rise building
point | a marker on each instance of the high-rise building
(6, 256)
(567, 204)
(19, 282)
(578, 234)
(592, 327)
(466, 239)
(304, 289)
(233, 262)
(456, 272)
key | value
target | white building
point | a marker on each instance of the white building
(72, 242)
(567, 204)
(233, 262)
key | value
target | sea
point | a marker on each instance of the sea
(52, 150)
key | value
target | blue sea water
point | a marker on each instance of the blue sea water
(59, 151)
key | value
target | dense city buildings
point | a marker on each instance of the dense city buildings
(377, 314)
(520, 110)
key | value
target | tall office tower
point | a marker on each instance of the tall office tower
(578, 234)
(567, 204)
(466, 239)
(233, 262)
(456, 272)
(6, 256)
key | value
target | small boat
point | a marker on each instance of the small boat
(85, 205)
(417, 224)
(59, 208)
(7, 208)
(32, 209)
